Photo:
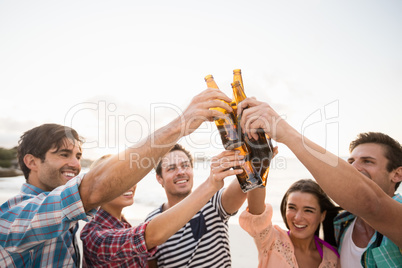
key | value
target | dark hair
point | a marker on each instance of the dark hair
(176, 147)
(41, 139)
(325, 203)
(393, 149)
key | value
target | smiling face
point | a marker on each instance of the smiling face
(115, 206)
(176, 175)
(303, 215)
(58, 167)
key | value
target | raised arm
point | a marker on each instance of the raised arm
(256, 201)
(170, 221)
(117, 174)
(256, 197)
(343, 183)
(233, 197)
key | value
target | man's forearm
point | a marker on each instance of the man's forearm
(233, 197)
(170, 221)
(339, 179)
(115, 175)
(349, 188)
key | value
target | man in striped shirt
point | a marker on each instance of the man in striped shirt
(38, 226)
(204, 240)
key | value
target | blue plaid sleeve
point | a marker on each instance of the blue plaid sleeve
(28, 219)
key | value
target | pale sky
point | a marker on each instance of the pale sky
(116, 70)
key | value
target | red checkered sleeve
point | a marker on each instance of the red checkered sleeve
(107, 240)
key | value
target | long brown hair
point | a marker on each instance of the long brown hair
(325, 203)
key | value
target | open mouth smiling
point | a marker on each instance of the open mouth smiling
(69, 174)
(181, 181)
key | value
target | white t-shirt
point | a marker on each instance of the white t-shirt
(350, 253)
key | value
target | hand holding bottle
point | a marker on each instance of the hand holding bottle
(227, 124)
(261, 115)
(199, 110)
(223, 165)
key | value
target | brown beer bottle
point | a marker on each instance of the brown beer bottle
(236, 77)
(227, 126)
(249, 178)
(261, 150)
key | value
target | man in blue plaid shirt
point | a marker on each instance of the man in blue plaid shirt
(38, 226)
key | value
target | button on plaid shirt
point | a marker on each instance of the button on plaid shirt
(37, 228)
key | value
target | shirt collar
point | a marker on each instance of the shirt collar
(30, 189)
(105, 218)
